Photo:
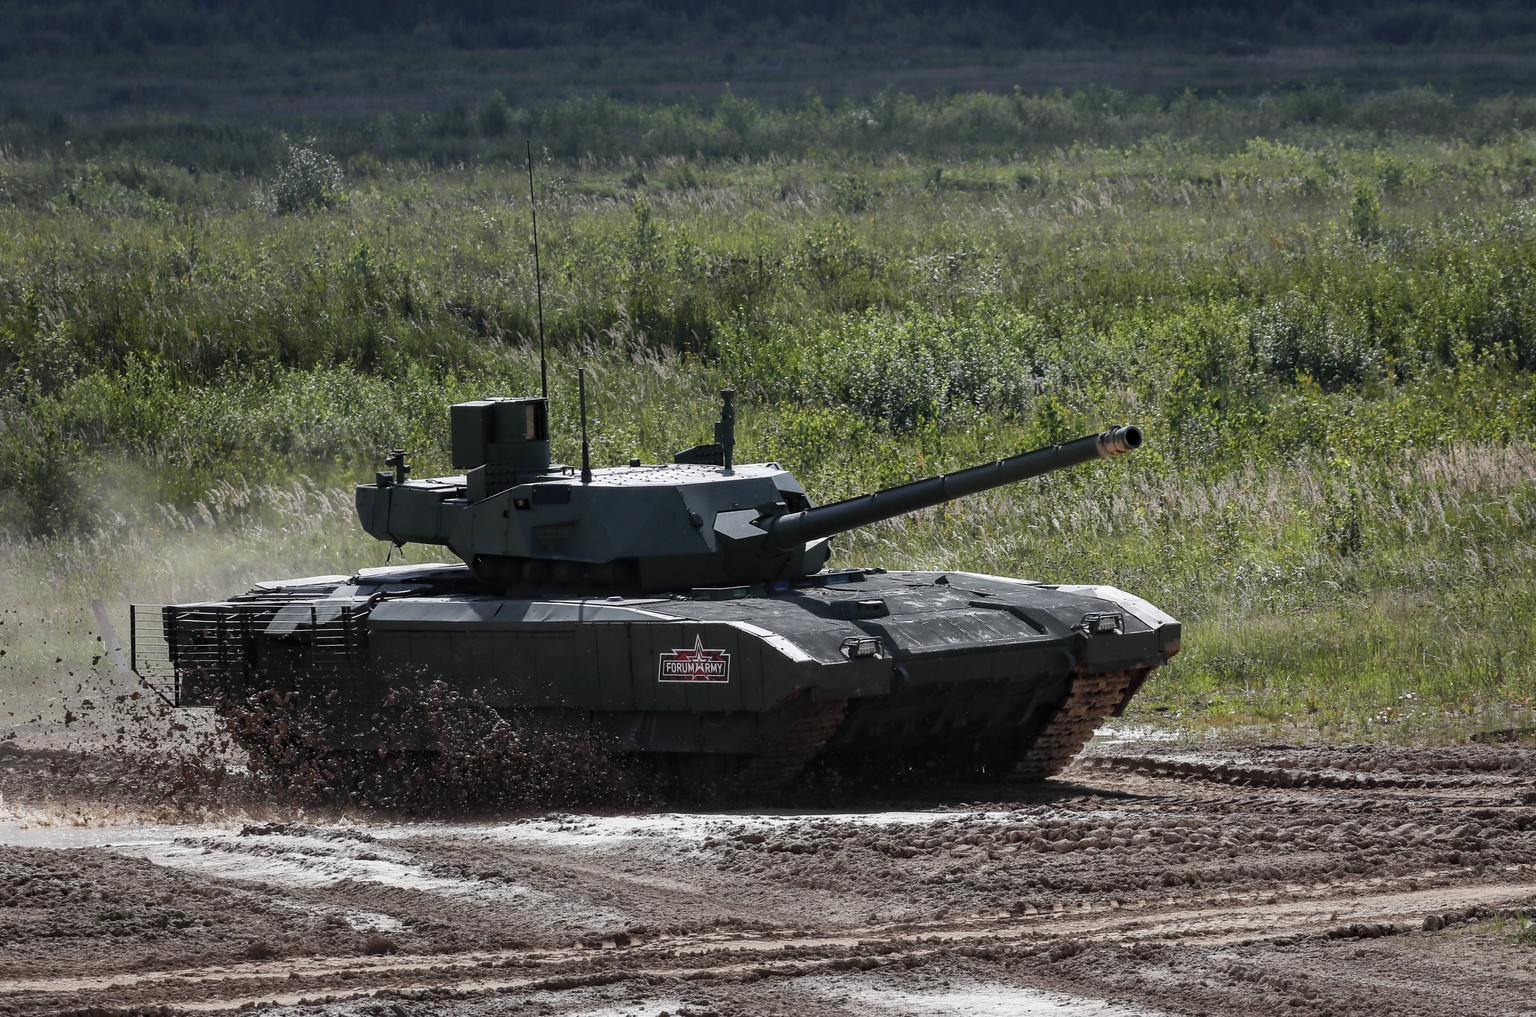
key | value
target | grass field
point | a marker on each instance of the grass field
(1319, 303)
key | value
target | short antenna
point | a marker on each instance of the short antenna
(586, 450)
(538, 276)
(725, 431)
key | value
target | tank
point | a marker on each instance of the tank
(678, 610)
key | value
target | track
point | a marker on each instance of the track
(775, 768)
(1092, 699)
(1315, 880)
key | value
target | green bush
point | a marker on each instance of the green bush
(852, 194)
(1296, 337)
(1365, 215)
(494, 116)
(306, 179)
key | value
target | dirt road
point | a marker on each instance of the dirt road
(1150, 878)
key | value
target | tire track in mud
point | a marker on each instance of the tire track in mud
(1347, 911)
(1275, 850)
(1490, 786)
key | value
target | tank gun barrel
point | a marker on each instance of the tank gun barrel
(796, 528)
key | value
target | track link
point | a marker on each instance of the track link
(1093, 697)
(777, 766)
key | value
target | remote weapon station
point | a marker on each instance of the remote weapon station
(681, 608)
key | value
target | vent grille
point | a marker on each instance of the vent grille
(184, 651)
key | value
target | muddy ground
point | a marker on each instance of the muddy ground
(1150, 878)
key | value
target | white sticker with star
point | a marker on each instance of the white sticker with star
(695, 665)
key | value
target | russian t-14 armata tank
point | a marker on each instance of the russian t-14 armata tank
(678, 608)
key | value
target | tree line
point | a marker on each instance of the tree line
(83, 27)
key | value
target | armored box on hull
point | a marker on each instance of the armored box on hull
(679, 608)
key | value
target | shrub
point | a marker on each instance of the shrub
(1299, 336)
(900, 373)
(494, 117)
(307, 179)
(852, 194)
(1365, 215)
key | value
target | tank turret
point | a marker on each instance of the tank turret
(520, 520)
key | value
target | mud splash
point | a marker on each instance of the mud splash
(429, 749)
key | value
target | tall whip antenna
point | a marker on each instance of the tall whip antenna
(538, 276)
(586, 449)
